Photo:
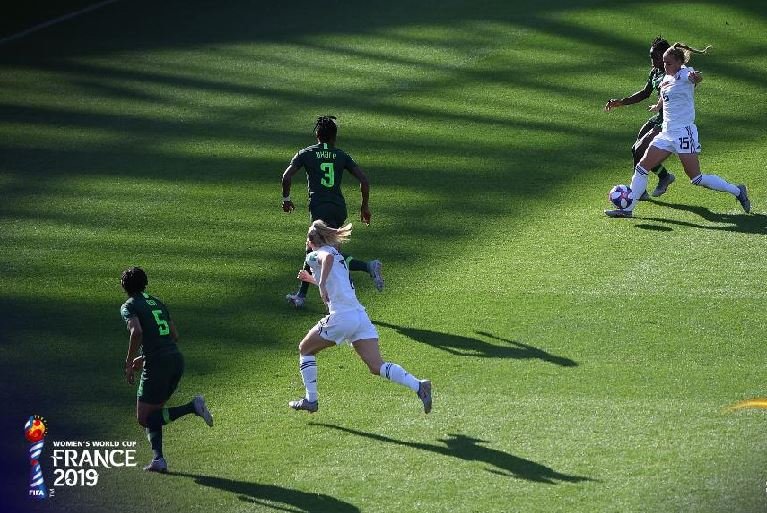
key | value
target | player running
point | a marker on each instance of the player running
(347, 319)
(679, 134)
(325, 165)
(653, 125)
(153, 334)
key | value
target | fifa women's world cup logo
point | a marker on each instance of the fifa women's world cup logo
(34, 432)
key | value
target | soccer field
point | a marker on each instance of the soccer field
(580, 364)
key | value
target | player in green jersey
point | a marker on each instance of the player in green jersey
(152, 349)
(653, 126)
(325, 164)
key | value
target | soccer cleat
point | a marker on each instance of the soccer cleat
(644, 196)
(375, 273)
(202, 410)
(618, 212)
(157, 465)
(424, 394)
(305, 404)
(663, 184)
(296, 300)
(743, 198)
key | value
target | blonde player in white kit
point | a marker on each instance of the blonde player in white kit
(347, 320)
(679, 134)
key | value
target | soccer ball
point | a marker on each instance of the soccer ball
(619, 196)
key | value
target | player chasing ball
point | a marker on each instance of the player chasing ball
(154, 335)
(347, 320)
(679, 134)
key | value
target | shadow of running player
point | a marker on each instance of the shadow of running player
(470, 449)
(459, 345)
(275, 497)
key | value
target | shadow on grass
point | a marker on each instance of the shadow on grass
(458, 345)
(468, 448)
(275, 497)
(739, 223)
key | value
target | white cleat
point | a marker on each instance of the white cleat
(375, 273)
(296, 300)
(157, 465)
(202, 410)
(424, 394)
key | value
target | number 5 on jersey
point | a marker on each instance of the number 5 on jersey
(162, 325)
(330, 174)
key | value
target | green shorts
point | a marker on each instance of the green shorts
(160, 378)
(334, 215)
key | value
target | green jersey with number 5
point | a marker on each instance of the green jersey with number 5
(155, 323)
(324, 165)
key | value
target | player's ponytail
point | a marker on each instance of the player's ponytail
(683, 52)
(323, 235)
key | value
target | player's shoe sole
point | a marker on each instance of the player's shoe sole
(663, 184)
(158, 465)
(743, 199)
(618, 212)
(305, 405)
(375, 273)
(295, 300)
(201, 409)
(424, 394)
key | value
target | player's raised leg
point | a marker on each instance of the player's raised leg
(370, 353)
(691, 165)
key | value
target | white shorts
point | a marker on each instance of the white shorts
(348, 326)
(682, 140)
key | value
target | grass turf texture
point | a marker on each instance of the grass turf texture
(579, 363)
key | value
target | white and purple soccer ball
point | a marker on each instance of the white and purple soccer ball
(619, 196)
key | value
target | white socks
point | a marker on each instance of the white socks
(638, 185)
(394, 372)
(715, 183)
(308, 367)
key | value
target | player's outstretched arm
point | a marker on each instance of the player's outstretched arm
(629, 100)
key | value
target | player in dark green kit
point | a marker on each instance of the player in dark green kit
(653, 126)
(325, 165)
(153, 350)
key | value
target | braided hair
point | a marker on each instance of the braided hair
(325, 128)
(659, 46)
(133, 280)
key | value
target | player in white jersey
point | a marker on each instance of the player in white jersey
(347, 320)
(679, 134)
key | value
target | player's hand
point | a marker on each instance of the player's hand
(129, 374)
(613, 103)
(288, 206)
(696, 77)
(365, 215)
(306, 276)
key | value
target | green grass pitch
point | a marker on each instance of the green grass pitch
(580, 364)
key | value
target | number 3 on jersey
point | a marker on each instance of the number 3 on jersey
(161, 324)
(330, 174)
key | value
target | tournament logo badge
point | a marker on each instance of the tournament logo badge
(34, 431)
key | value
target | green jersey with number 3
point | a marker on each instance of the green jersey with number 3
(155, 323)
(324, 165)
